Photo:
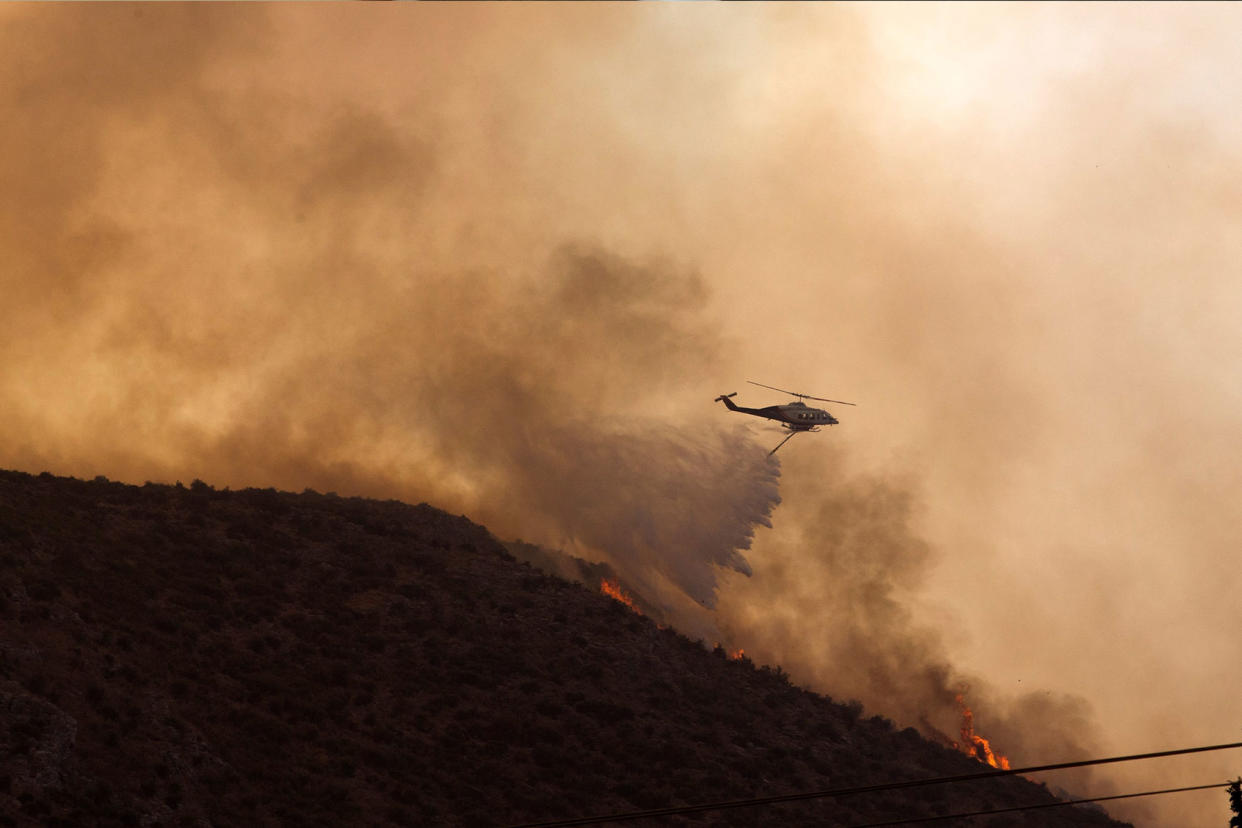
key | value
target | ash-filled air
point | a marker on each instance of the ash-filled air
(502, 258)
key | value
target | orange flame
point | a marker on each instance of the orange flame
(975, 745)
(737, 654)
(614, 591)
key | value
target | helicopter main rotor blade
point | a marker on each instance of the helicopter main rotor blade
(796, 394)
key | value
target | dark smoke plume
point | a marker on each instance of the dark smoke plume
(832, 598)
(535, 393)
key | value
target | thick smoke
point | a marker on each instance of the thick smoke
(539, 394)
(833, 599)
(546, 399)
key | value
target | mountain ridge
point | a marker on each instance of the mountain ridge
(191, 656)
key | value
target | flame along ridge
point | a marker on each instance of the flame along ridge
(975, 745)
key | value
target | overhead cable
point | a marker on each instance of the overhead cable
(1057, 804)
(886, 786)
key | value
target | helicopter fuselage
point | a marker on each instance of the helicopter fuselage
(795, 416)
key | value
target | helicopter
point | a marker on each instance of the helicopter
(796, 416)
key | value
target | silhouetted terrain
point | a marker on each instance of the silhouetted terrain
(174, 655)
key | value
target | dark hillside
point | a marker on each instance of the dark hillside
(174, 655)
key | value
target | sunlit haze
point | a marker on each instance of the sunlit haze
(501, 258)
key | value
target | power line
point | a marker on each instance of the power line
(887, 786)
(1056, 804)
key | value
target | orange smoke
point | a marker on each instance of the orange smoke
(972, 743)
(614, 591)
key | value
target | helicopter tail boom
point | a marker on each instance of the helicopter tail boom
(724, 398)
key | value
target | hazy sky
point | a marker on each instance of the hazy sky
(501, 259)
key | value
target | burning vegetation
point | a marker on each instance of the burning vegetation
(614, 591)
(972, 743)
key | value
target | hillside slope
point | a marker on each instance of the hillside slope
(187, 656)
